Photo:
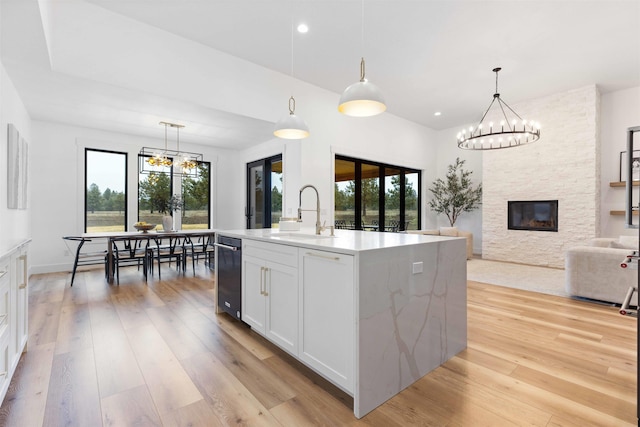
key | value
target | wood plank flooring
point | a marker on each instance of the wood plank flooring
(156, 354)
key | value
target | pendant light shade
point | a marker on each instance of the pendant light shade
(291, 126)
(362, 99)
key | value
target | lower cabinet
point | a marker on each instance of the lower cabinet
(327, 315)
(270, 292)
(302, 300)
(13, 312)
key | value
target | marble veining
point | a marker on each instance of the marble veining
(409, 324)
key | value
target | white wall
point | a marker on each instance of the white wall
(57, 190)
(619, 110)
(14, 223)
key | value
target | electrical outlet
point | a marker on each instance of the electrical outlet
(417, 267)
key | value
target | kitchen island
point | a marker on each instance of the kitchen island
(371, 312)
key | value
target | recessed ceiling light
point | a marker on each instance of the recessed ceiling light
(303, 28)
(437, 113)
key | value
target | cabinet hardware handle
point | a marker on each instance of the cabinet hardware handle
(263, 279)
(2, 273)
(332, 258)
(265, 282)
(2, 317)
(23, 258)
(3, 374)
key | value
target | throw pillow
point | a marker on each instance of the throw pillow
(618, 245)
(449, 231)
(629, 242)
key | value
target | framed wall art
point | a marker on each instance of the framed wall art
(17, 164)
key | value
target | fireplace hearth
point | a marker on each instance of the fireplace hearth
(533, 215)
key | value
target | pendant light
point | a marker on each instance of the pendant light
(291, 126)
(363, 98)
(510, 132)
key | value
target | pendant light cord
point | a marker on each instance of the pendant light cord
(362, 28)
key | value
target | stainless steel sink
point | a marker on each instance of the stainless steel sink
(300, 236)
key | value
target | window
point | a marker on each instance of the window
(154, 193)
(376, 196)
(105, 201)
(196, 193)
(264, 192)
(155, 190)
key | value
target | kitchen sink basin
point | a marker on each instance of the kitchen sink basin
(301, 236)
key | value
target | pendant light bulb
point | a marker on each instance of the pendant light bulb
(362, 99)
(291, 126)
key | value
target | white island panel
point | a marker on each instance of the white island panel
(409, 324)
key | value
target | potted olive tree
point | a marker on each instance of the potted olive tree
(455, 194)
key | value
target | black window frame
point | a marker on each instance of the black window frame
(126, 183)
(382, 191)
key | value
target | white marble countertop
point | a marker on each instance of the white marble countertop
(8, 247)
(344, 241)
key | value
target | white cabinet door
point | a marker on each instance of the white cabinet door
(282, 306)
(22, 303)
(327, 315)
(253, 303)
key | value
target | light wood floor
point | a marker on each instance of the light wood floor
(157, 354)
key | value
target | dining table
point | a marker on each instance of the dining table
(109, 236)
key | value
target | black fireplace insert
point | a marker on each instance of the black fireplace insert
(534, 215)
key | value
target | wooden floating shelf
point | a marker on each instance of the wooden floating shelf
(623, 184)
(621, 213)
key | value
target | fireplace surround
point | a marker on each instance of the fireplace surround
(533, 215)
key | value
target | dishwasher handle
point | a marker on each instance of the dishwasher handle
(231, 248)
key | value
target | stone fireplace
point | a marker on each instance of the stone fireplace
(563, 166)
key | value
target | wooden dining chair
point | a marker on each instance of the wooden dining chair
(168, 249)
(200, 245)
(129, 252)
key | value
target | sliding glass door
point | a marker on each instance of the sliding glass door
(264, 192)
(376, 196)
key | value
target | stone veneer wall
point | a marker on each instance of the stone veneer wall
(563, 165)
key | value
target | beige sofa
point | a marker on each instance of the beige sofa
(594, 271)
(450, 231)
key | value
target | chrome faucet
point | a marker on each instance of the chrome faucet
(319, 227)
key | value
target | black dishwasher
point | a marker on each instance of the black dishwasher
(229, 267)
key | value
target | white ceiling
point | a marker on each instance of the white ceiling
(425, 56)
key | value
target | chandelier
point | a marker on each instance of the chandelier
(509, 132)
(153, 161)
